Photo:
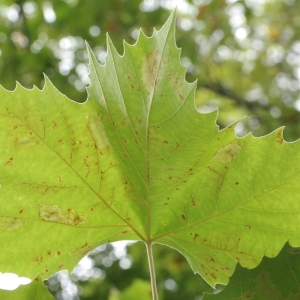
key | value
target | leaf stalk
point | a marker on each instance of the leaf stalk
(152, 270)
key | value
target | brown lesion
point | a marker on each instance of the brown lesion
(38, 259)
(279, 137)
(9, 162)
(176, 82)
(150, 69)
(52, 213)
(85, 245)
(54, 125)
(11, 223)
(196, 235)
(193, 201)
(228, 153)
(181, 97)
(44, 188)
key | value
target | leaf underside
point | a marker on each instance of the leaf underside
(137, 161)
(276, 279)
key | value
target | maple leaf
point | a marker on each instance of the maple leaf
(136, 161)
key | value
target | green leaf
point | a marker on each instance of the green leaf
(214, 197)
(36, 290)
(50, 178)
(139, 289)
(275, 279)
(137, 161)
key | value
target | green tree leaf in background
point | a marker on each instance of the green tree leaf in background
(139, 289)
(36, 290)
(275, 279)
(137, 161)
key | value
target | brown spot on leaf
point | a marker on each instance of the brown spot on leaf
(211, 275)
(195, 236)
(228, 129)
(236, 183)
(183, 217)
(84, 245)
(9, 162)
(279, 137)
(228, 153)
(38, 259)
(150, 69)
(181, 97)
(193, 201)
(175, 82)
(52, 213)
(98, 133)
(58, 252)
(11, 223)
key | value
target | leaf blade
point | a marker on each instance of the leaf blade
(49, 163)
(200, 180)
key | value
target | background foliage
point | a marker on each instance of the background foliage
(245, 55)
